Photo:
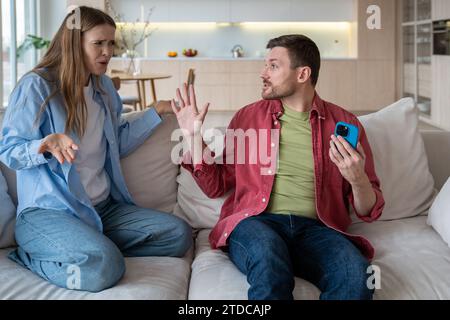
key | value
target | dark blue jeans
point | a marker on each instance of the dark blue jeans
(271, 249)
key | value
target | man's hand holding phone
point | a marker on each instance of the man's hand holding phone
(350, 162)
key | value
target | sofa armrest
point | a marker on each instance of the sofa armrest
(437, 146)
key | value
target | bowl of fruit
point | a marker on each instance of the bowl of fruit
(189, 52)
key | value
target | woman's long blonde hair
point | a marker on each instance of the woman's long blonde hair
(64, 64)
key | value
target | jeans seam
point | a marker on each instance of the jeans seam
(42, 234)
(243, 247)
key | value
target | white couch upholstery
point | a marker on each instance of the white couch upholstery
(414, 260)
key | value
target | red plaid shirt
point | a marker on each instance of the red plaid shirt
(252, 189)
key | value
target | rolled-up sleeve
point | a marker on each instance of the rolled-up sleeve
(132, 133)
(378, 207)
(21, 136)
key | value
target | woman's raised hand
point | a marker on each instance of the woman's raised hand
(60, 146)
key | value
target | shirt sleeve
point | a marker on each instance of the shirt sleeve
(214, 179)
(21, 134)
(377, 209)
(131, 131)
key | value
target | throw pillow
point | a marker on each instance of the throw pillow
(439, 214)
(149, 171)
(400, 160)
(194, 206)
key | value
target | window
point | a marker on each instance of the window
(17, 20)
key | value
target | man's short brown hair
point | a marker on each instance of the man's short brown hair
(303, 52)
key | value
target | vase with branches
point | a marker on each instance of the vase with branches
(130, 35)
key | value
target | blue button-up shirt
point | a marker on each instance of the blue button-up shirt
(45, 183)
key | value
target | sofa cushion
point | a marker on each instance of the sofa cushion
(412, 258)
(214, 276)
(400, 160)
(439, 215)
(149, 171)
(146, 278)
(7, 215)
(193, 205)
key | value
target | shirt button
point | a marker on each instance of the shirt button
(269, 172)
(272, 145)
(275, 123)
(225, 234)
(263, 199)
(246, 214)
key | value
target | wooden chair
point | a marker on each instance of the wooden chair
(127, 100)
(191, 77)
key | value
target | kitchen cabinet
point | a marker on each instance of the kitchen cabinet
(417, 51)
(292, 10)
(133, 10)
(235, 11)
(440, 115)
(198, 11)
(233, 83)
(99, 4)
(323, 10)
(263, 10)
(337, 82)
(440, 9)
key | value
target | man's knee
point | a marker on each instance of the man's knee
(358, 279)
(352, 280)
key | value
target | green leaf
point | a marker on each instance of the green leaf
(32, 41)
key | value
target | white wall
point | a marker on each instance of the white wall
(52, 13)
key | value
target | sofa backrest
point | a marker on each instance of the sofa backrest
(157, 149)
(437, 146)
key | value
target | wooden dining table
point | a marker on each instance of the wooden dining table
(141, 79)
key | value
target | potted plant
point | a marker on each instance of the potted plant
(32, 41)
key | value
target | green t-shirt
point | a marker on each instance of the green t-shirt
(293, 189)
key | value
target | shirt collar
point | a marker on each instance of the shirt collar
(318, 106)
(95, 82)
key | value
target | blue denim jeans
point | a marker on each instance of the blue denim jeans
(70, 254)
(270, 249)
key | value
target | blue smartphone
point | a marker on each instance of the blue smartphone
(347, 131)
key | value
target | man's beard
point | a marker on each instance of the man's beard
(277, 93)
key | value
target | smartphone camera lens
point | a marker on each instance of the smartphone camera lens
(342, 130)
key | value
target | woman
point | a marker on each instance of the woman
(64, 136)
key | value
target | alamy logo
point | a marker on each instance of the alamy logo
(374, 280)
(74, 20)
(74, 277)
(374, 20)
(249, 147)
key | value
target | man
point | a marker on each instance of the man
(292, 221)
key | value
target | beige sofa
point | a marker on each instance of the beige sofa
(413, 259)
